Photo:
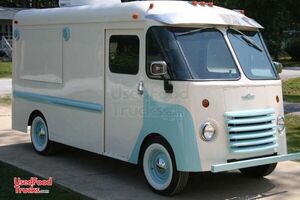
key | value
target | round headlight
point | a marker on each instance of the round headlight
(208, 132)
(280, 123)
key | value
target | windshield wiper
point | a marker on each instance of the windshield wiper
(248, 40)
(189, 32)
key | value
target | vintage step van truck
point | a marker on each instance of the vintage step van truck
(175, 86)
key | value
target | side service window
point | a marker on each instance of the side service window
(124, 54)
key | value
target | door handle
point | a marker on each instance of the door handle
(141, 88)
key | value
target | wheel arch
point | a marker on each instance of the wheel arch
(34, 114)
(152, 137)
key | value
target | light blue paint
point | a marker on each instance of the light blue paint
(250, 113)
(251, 120)
(66, 34)
(40, 140)
(254, 149)
(251, 135)
(17, 34)
(251, 127)
(252, 142)
(175, 124)
(160, 177)
(254, 162)
(251, 131)
(59, 101)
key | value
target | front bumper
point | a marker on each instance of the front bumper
(254, 162)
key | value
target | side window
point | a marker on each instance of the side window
(124, 54)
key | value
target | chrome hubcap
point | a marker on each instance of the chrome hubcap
(161, 165)
(42, 133)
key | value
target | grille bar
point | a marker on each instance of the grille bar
(252, 142)
(251, 135)
(254, 149)
(251, 120)
(250, 113)
(251, 128)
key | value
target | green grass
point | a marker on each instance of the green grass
(7, 174)
(293, 133)
(291, 90)
(5, 100)
(5, 69)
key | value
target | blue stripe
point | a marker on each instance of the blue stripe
(59, 101)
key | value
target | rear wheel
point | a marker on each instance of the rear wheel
(259, 171)
(160, 169)
(40, 136)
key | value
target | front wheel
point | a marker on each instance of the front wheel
(160, 169)
(259, 171)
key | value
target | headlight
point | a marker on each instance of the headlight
(208, 132)
(280, 123)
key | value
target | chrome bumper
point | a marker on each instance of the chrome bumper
(254, 162)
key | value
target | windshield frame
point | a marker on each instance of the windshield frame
(265, 50)
(223, 33)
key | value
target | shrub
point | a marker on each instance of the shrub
(274, 48)
(293, 48)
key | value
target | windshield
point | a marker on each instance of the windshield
(191, 54)
(252, 55)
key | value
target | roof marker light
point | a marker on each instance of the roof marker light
(135, 16)
(210, 4)
(202, 3)
(195, 3)
(240, 11)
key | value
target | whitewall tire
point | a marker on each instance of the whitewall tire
(160, 171)
(40, 136)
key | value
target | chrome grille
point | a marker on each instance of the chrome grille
(251, 131)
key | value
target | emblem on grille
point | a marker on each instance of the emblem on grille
(248, 97)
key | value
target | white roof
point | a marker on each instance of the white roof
(8, 13)
(166, 12)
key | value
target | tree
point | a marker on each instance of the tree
(29, 3)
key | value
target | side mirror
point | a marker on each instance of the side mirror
(158, 68)
(278, 67)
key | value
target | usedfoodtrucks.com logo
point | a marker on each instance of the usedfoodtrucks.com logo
(31, 186)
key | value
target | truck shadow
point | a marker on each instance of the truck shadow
(100, 177)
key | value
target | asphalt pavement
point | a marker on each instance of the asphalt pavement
(103, 178)
(290, 72)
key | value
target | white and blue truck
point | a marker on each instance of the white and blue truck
(174, 86)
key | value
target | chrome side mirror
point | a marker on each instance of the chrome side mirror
(158, 68)
(278, 67)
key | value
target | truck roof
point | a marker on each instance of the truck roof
(165, 12)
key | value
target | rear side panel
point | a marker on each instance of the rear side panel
(72, 96)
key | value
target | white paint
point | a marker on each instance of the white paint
(123, 104)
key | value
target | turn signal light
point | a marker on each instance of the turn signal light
(135, 16)
(205, 103)
(277, 99)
